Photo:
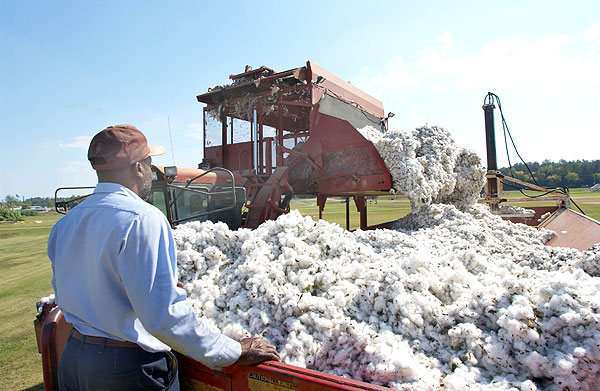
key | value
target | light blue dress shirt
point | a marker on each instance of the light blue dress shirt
(114, 273)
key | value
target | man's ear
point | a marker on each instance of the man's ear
(139, 171)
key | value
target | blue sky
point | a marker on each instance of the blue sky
(68, 69)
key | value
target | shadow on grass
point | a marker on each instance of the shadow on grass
(38, 387)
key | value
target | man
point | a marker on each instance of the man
(114, 276)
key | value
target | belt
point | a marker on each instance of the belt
(102, 340)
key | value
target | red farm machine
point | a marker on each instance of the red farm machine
(294, 133)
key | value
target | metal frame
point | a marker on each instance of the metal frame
(209, 194)
(64, 204)
(493, 185)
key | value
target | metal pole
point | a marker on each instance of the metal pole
(204, 134)
(347, 213)
(255, 139)
(224, 141)
(490, 138)
(261, 142)
(492, 164)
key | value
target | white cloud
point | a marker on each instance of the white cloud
(81, 142)
(548, 62)
(547, 85)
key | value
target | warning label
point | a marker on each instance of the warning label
(258, 382)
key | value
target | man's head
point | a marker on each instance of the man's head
(121, 154)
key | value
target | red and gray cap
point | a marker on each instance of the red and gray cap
(120, 146)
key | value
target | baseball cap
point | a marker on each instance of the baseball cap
(120, 146)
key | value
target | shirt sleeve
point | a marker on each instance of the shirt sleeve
(147, 266)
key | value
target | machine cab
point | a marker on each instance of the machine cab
(187, 194)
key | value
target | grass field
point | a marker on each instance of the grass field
(387, 208)
(26, 273)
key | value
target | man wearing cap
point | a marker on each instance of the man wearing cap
(114, 276)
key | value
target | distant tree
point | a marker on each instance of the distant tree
(519, 175)
(11, 200)
(572, 179)
(41, 201)
(554, 180)
(579, 173)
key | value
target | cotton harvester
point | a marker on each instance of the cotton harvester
(294, 133)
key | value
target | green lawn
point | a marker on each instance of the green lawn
(386, 208)
(26, 274)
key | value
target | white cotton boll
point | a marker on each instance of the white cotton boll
(536, 364)
(579, 352)
(528, 385)
(339, 299)
(209, 309)
(564, 365)
(235, 331)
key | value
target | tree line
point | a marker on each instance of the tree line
(47, 202)
(578, 173)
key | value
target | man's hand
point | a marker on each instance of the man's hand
(256, 350)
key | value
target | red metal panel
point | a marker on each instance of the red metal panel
(264, 201)
(269, 376)
(346, 90)
(572, 230)
(351, 163)
(213, 155)
(532, 220)
(185, 174)
(239, 156)
(53, 340)
(361, 207)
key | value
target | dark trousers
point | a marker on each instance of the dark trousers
(86, 366)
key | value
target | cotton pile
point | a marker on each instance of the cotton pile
(428, 167)
(452, 298)
(449, 299)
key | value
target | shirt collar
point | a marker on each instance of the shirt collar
(109, 187)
